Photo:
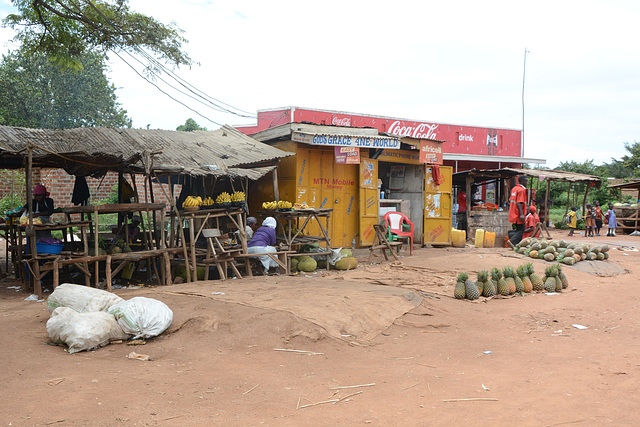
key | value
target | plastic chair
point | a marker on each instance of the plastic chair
(397, 224)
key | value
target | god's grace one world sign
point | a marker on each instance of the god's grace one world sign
(347, 141)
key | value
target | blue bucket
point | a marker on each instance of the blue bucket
(49, 248)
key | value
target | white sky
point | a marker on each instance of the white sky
(458, 62)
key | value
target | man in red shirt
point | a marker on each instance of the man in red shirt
(530, 222)
(461, 216)
(518, 208)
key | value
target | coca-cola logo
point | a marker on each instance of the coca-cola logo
(421, 131)
(345, 121)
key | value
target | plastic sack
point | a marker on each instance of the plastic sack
(82, 299)
(83, 331)
(142, 317)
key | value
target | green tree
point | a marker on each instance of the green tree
(67, 29)
(36, 93)
(189, 126)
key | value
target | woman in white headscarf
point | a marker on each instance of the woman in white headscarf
(264, 241)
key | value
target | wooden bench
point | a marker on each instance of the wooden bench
(383, 243)
(280, 257)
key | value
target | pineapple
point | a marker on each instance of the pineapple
(536, 282)
(489, 289)
(481, 281)
(471, 290)
(550, 280)
(509, 274)
(459, 291)
(501, 287)
(523, 274)
(563, 278)
(519, 284)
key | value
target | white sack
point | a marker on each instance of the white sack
(83, 331)
(142, 317)
(82, 299)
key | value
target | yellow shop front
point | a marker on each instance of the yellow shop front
(319, 176)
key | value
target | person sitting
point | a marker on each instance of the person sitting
(264, 241)
(531, 222)
(41, 204)
(134, 230)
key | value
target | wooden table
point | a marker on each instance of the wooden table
(199, 219)
(301, 219)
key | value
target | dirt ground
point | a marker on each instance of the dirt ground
(436, 361)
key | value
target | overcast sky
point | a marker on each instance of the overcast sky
(457, 62)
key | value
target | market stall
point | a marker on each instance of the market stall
(490, 210)
(627, 214)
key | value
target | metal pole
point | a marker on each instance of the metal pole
(524, 70)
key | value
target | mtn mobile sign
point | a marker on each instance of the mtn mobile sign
(347, 140)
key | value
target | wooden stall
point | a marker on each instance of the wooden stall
(627, 214)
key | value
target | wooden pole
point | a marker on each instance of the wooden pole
(276, 190)
(584, 200)
(31, 234)
(568, 199)
(547, 213)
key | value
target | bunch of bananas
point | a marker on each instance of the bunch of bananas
(191, 201)
(238, 196)
(208, 201)
(269, 205)
(283, 204)
(223, 198)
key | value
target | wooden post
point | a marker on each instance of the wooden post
(56, 273)
(95, 247)
(276, 190)
(584, 200)
(469, 200)
(568, 199)
(108, 272)
(546, 202)
(192, 245)
(85, 251)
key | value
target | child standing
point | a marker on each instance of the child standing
(598, 211)
(589, 221)
(573, 220)
(610, 220)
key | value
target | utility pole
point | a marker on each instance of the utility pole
(524, 71)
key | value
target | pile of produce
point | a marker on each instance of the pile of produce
(311, 262)
(223, 198)
(192, 202)
(238, 196)
(282, 204)
(561, 251)
(507, 281)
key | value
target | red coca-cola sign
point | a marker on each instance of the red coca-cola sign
(457, 139)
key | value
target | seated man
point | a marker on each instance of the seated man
(530, 222)
(264, 241)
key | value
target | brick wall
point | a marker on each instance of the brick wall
(60, 185)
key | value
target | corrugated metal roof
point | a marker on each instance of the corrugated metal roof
(94, 151)
(538, 173)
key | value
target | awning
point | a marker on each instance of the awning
(492, 159)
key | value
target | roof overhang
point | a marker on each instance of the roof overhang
(491, 159)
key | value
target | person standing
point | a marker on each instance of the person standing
(518, 208)
(610, 220)
(589, 221)
(572, 220)
(598, 214)
(461, 216)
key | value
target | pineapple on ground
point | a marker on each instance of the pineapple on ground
(479, 283)
(489, 288)
(563, 278)
(550, 278)
(502, 288)
(459, 291)
(509, 274)
(523, 275)
(536, 282)
(471, 289)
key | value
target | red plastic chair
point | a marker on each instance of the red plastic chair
(397, 224)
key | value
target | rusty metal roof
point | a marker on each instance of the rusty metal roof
(94, 151)
(538, 173)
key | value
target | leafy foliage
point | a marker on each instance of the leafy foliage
(36, 93)
(189, 126)
(66, 30)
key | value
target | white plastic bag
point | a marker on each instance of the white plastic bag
(142, 317)
(82, 299)
(83, 331)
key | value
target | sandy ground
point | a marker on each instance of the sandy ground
(503, 361)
